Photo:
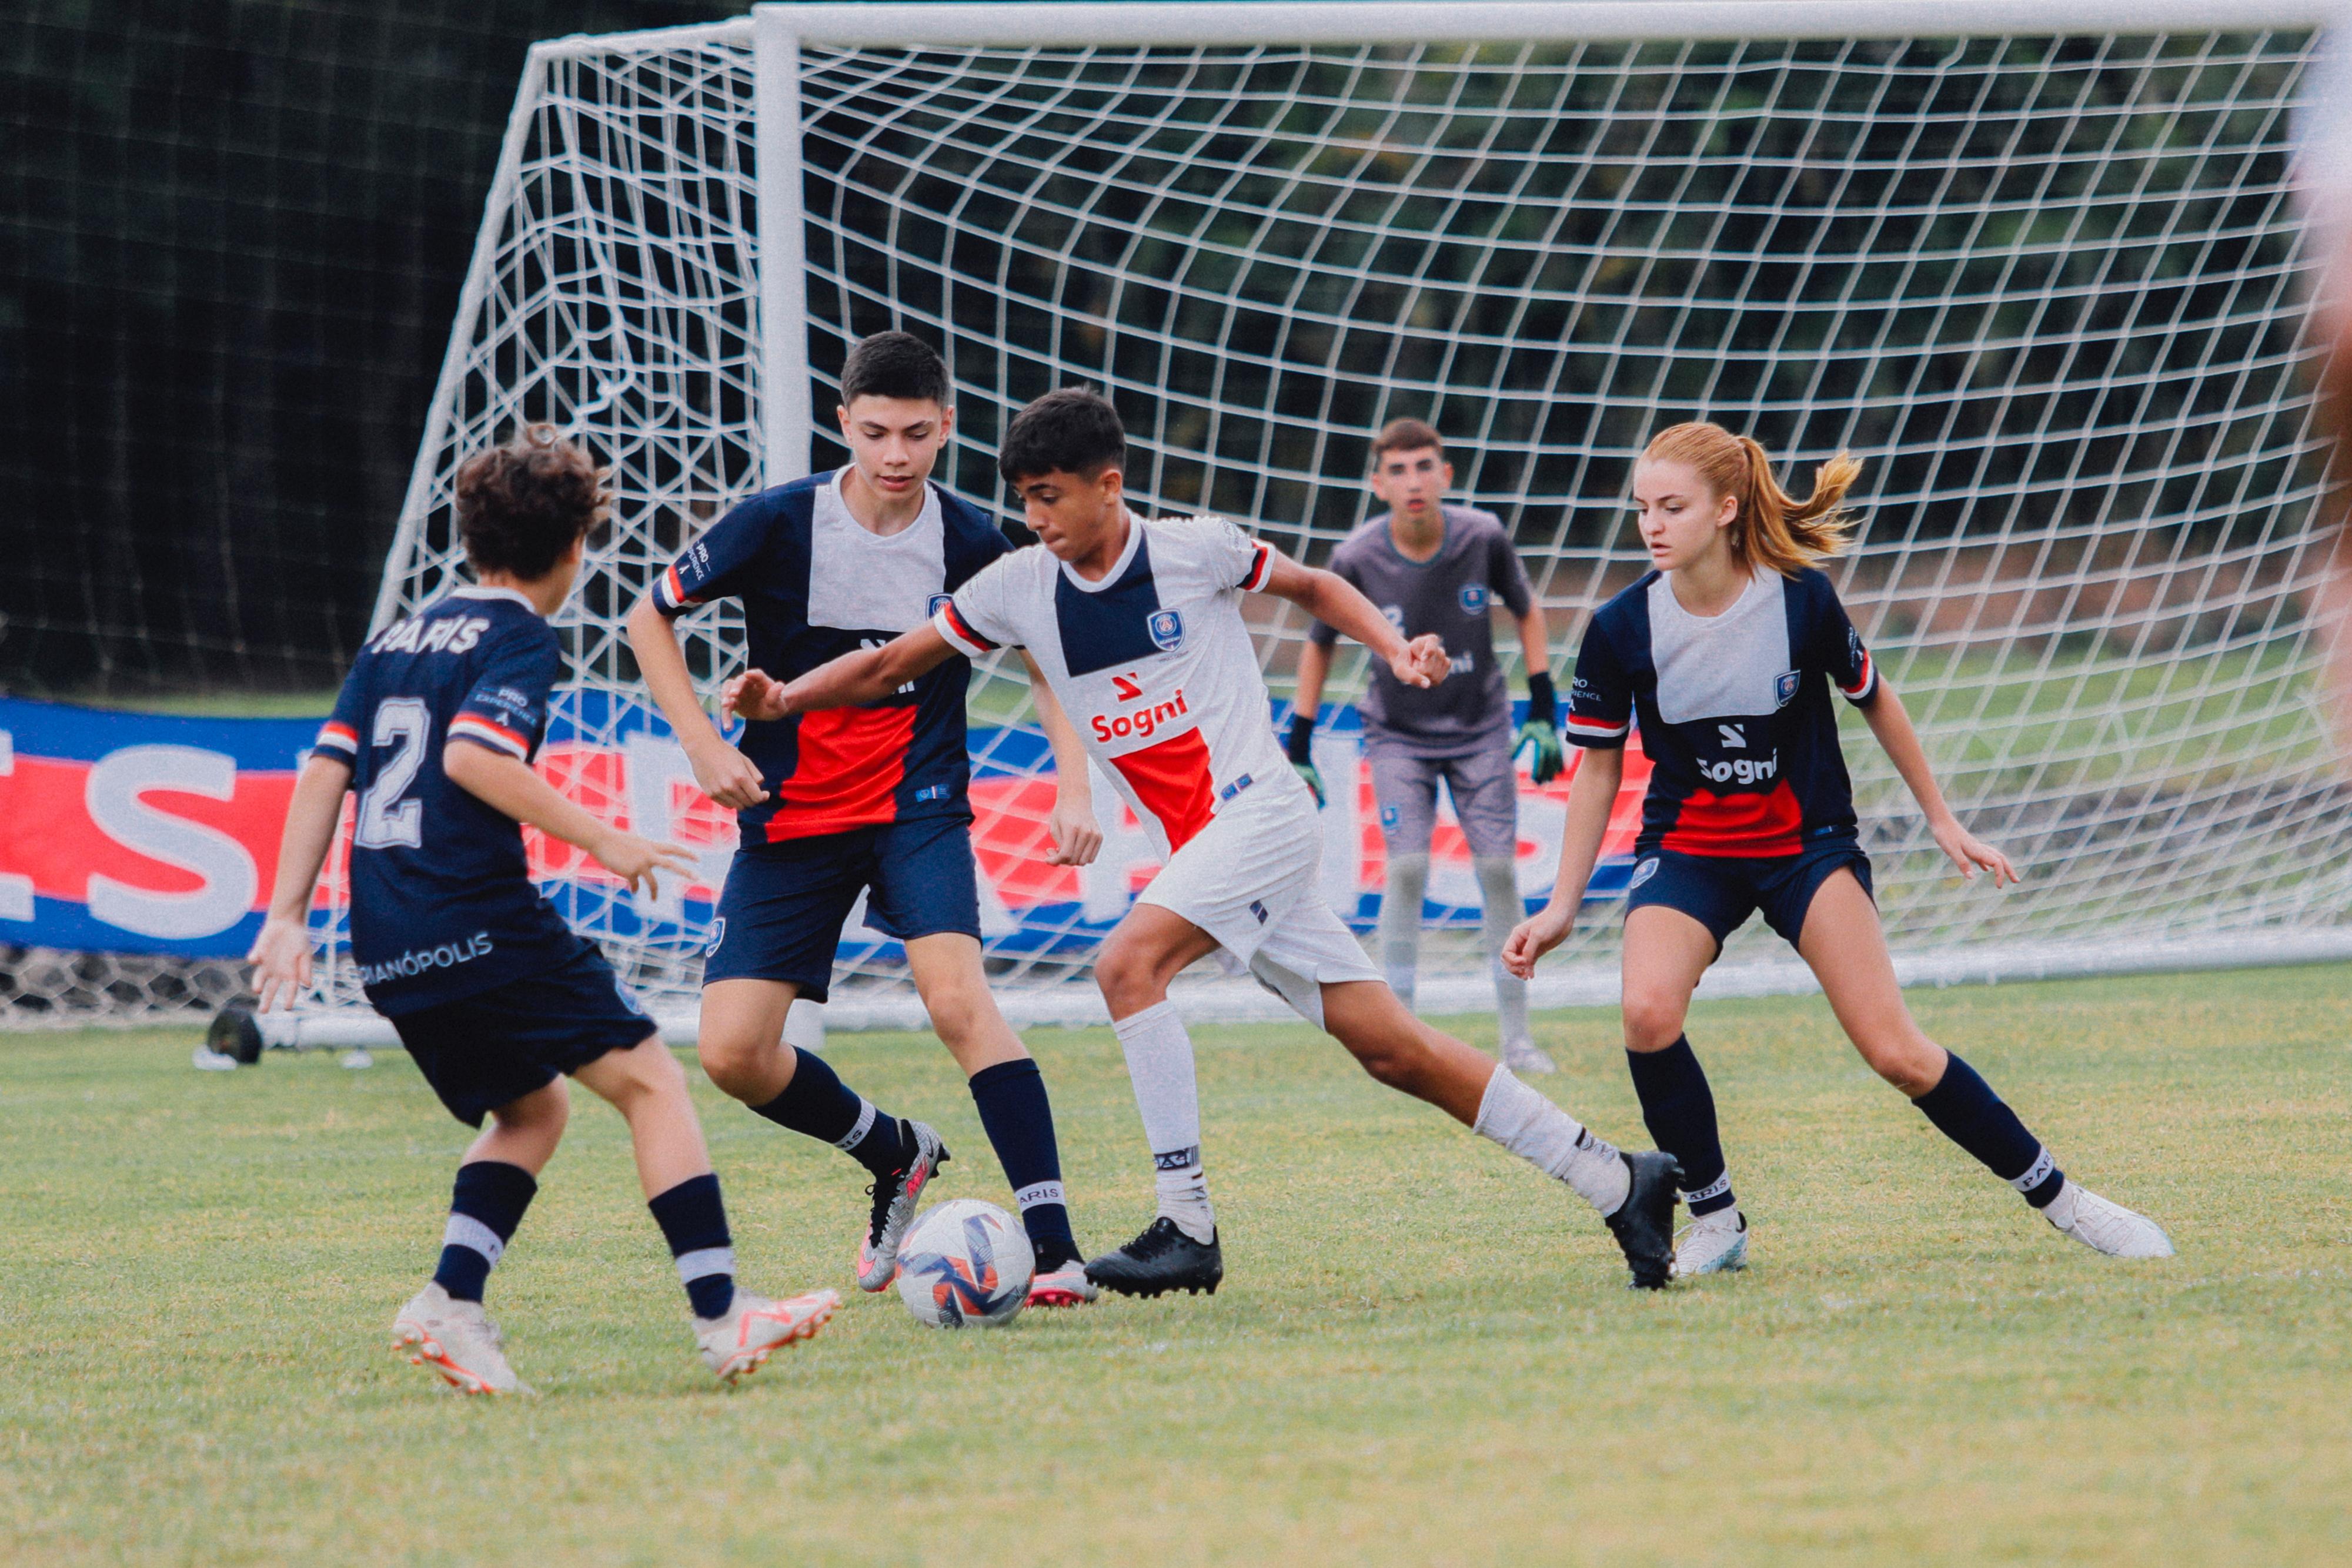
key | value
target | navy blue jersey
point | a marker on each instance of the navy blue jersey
(442, 903)
(814, 585)
(1734, 710)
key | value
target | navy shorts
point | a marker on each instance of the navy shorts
(483, 1052)
(1721, 891)
(780, 913)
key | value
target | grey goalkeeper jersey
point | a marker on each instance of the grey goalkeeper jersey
(1450, 594)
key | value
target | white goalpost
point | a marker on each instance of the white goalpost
(2035, 265)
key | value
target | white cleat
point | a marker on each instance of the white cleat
(1713, 1244)
(1066, 1286)
(1524, 1056)
(752, 1328)
(458, 1340)
(2105, 1226)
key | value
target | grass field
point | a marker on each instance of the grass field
(1422, 1353)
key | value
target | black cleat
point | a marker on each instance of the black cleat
(1644, 1223)
(1162, 1259)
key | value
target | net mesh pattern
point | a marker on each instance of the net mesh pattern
(2045, 289)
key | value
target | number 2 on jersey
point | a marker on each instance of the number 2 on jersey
(387, 821)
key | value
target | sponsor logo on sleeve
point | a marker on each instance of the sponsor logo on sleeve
(1473, 599)
(1167, 629)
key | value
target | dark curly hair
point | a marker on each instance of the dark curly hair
(1073, 431)
(522, 504)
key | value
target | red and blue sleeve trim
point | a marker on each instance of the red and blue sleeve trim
(670, 596)
(473, 726)
(1864, 686)
(1260, 570)
(335, 735)
(952, 625)
(1595, 732)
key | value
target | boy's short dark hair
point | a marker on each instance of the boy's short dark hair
(522, 504)
(1072, 431)
(895, 365)
(1406, 435)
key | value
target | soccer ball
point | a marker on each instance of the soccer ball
(965, 1262)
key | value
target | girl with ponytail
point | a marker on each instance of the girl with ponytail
(1725, 654)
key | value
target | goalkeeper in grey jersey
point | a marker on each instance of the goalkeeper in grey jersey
(1433, 567)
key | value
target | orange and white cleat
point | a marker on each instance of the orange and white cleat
(894, 1198)
(754, 1326)
(1066, 1286)
(458, 1340)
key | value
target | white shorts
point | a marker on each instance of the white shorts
(1248, 879)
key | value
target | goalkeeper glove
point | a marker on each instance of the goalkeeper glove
(1301, 748)
(1540, 730)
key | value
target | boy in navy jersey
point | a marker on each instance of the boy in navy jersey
(867, 800)
(1439, 570)
(1725, 655)
(495, 997)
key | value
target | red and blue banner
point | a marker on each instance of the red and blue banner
(154, 834)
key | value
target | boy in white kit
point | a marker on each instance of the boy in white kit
(1137, 627)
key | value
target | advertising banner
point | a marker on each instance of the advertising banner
(155, 833)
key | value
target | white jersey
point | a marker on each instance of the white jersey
(1152, 664)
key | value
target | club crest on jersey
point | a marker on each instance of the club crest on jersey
(1784, 687)
(1167, 629)
(1473, 599)
(718, 935)
(1643, 872)
(938, 602)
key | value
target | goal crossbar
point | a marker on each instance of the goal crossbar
(1145, 22)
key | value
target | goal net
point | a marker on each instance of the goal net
(2040, 276)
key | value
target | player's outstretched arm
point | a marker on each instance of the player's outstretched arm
(1890, 721)
(725, 774)
(1334, 600)
(280, 956)
(508, 785)
(1592, 796)
(1077, 837)
(854, 680)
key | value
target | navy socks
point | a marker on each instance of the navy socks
(1966, 1110)
(1011, 1097)
(818, 1103)
(485, 1205)
(693, 1221)
(1679, 1110)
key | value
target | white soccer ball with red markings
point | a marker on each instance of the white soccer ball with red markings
(965, 1263)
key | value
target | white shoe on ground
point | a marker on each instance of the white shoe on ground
(458, 1340)
(1066, 1286)
(753, 1326)
(1715, 1243)
(2107, 1227)
(1524, 1056)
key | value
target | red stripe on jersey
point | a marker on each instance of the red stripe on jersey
(852, 761)
(1861, 687)
(963, 628)
(674, 591)
(343, 735)
(1260, 570)
(1743, 826)
(1171, 778)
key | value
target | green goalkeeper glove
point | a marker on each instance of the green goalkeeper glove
(1543, 706)
(1301, 749)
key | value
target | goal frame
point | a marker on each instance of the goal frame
(778, 33)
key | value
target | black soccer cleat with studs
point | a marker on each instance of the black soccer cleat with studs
(1644, 1223)
(1162, 1259)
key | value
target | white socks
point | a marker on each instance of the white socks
(1500, 913)
(1160, 1066)
(1400, 929)
(1551, 1140)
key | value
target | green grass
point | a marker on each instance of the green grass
(1422, 1353)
